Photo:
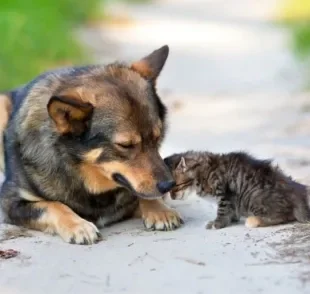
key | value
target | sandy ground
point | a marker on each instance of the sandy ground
(230, 83)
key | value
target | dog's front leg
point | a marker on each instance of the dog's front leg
(55, 218)
(157, 215)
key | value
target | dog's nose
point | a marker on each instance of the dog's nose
(164, 187)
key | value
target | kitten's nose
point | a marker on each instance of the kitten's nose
(164, 187)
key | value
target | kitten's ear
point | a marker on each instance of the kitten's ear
(151, 65)
(182, 165)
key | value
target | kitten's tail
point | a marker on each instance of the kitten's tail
(302, 208)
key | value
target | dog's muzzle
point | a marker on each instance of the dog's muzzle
(163, 187)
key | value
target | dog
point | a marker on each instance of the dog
(81, 150)
(5, 112)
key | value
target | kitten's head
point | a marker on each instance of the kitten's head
(184, 171)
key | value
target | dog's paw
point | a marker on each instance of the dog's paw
(165, 220)
(215, 225)
(79, 231)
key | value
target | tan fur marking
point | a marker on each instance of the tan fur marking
(253, 222)
(29, 196)
(127, 138)
(139, 177)
(156, 132)
(151, 206)
(5, 111)
(160, 124)
(58, 218)
(157, 215)
(93, 155)
(256, 221)
(80, 94)
(143, 68)
(94, 181)
(67, 117)
(76, 113)
(54, 215)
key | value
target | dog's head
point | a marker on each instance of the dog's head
(113, 122)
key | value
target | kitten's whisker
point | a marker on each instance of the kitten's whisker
(183, 185)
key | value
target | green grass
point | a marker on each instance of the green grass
(296, 15)
(37, 35)
(301, 40)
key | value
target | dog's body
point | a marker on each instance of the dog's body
(81, 145)
(5, 112)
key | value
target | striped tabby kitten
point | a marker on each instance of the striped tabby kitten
(244, 186)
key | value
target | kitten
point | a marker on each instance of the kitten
(243, 185)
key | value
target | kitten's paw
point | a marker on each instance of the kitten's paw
(215, 225)
(166, 220)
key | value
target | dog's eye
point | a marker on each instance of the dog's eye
(125, 145)
(96, 137)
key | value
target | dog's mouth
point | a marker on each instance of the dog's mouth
(121, 180)
(118, 178)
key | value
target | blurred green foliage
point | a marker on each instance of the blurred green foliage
(37, 35)
(296, 13)
(301, 39)
(294, 10)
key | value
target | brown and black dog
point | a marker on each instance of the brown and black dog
(81, 150)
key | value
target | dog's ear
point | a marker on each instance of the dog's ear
(71, 115)
(150, 66)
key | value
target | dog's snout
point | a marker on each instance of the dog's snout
(165, 186)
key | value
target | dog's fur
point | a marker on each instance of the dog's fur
(5, 112)
(81, 150)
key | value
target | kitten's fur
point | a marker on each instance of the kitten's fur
(244, 185)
